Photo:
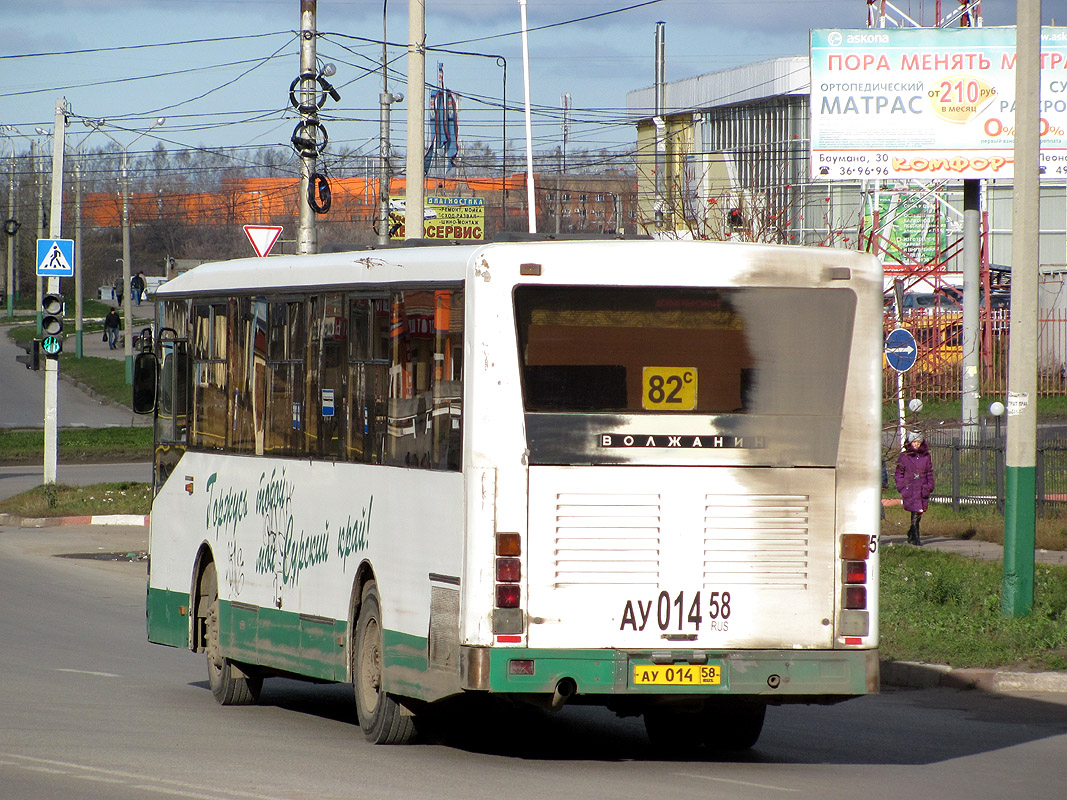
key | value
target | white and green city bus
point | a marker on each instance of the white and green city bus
(637, 474)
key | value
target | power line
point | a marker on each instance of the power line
(142, 46)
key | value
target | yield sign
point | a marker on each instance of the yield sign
(263, 237)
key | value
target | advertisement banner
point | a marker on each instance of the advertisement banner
(928, 103)
(447, 218)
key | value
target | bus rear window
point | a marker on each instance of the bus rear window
(607, 349)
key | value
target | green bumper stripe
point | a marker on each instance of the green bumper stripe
(285, 640)
(757, 672)
(166, 622)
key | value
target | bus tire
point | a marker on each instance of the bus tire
(228, 684)
(734, 726)
(381, 718)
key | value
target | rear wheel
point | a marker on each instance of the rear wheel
(733, 726)
(382, 719)
(229, 685)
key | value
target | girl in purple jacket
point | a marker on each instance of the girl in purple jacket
(915, 481)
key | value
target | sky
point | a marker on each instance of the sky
(132, 61)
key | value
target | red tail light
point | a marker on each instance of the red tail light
(855, 572)
(855, 597)
(508, 570)
(508, 595)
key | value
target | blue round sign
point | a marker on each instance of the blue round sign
(900, 349)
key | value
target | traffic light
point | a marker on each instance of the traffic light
(52, 324)
(32, 359)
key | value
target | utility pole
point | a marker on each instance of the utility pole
(658, 121)
(51, 365)
(78, 288)
(385, 100)
(307, 237)
(531, 197)
(1017, 599)
(415, 194)
(11, 236)
(972, 238)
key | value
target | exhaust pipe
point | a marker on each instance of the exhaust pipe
(564, 690)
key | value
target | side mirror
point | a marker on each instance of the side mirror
(145, 382)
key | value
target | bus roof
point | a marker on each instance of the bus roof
(453, 264)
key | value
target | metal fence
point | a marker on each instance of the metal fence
(939, 337)
(969, 469)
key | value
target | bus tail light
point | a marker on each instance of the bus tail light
(855, 572)
(855, 597)
(854, 620)
(508, 570)
(508, 595)
(508, 617)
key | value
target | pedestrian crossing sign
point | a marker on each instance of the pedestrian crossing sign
(55, 258)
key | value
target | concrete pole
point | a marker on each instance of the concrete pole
(127, 306)
(1017, 598)
(40, 233)
(385, 100)
(531, 197)
(11, 239)
(415, 194)
(661, 140)
(55, 231)
(972, 235)
(307, 235)
(78, 268)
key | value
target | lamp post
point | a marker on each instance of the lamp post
(127, 308)
(40, 212)
(10, 225)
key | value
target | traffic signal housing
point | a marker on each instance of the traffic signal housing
(52, 324)
(32, 359)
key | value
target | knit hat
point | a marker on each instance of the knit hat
(915, 436)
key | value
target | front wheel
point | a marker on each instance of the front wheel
(382, 719)
(228, 684)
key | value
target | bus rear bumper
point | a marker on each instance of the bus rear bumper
(770, 674)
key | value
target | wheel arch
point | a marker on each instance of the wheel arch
(200, 601)
(364, 575)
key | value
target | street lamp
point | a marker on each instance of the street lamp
(10, 225)
(40, 215)
(127, 309)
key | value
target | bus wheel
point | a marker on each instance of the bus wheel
(382, 719)
(734, 725)
(674, 733)
(229, 686)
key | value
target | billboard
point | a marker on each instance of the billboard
(928, 103)
(447, 218)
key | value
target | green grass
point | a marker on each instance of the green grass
(946, 609)
(86, 445)
(57, 500)
(105, 376)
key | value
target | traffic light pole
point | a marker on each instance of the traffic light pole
(51, 365)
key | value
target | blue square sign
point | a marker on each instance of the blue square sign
(55, 258)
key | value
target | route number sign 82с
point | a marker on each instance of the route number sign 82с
(669, 388)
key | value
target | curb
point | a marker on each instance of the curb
(139, 520)
(917, 675)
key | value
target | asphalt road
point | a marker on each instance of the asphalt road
(88, 709)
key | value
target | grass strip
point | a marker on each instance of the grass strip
(78, 445)
(58, 500)
(944, 608)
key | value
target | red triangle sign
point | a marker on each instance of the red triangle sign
(263, 237)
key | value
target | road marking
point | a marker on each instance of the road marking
(131, 779)
(738, 783)
(89, 672)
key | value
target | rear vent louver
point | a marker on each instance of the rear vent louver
(607, 539)
(759, 540)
